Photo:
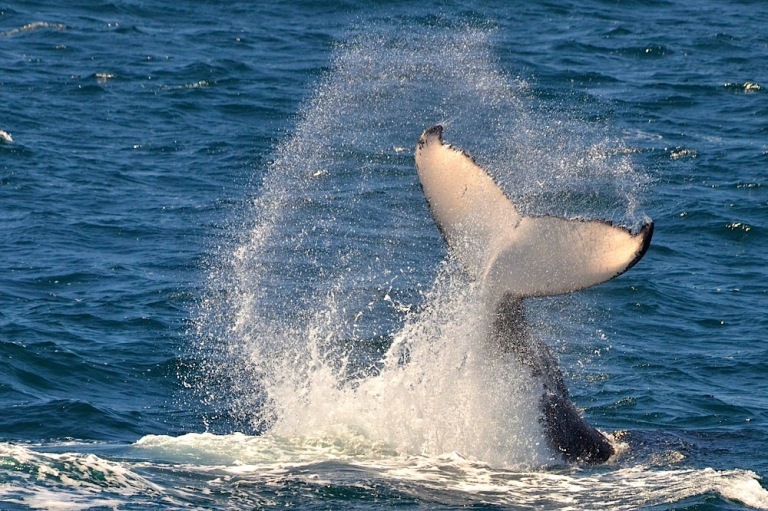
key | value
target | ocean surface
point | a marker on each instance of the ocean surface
(221, 287)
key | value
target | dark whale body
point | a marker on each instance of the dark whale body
(514, 257)
(566, 430)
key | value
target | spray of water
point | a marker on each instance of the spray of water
(331, 314)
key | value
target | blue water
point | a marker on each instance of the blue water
(221, 288)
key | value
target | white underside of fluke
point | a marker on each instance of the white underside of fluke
(509, 253)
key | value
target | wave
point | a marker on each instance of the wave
(238, 470)
(30, 27)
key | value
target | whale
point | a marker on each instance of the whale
(512, 257)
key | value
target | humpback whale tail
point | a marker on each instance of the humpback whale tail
(515, 257)
(509, 253)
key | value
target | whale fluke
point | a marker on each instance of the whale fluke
(524, 256)
(514, 257)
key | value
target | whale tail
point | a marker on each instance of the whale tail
(512, 254)
(514, 257)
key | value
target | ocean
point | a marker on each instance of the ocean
(221, 286)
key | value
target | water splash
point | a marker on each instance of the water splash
(436, 392)
(304, 330)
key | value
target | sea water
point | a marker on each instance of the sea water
(222, 288)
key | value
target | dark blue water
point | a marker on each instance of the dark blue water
(215, 256)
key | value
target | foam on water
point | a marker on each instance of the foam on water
(451, 475)
(29, 27)
(238, 468)
(69, 481)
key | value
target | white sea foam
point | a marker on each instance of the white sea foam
(36, 25)
(269, 459)
(71, 481)
(245, 466)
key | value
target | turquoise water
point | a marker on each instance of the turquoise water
(220, 285)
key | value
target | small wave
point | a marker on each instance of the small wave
(5, 137)
(196, 85)
(652, 51)
(37, 25)
(238, 448)
(72, 481)
(739, 226)
(448, 477)
(679, 153)
(746, 87)
(227, 470)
